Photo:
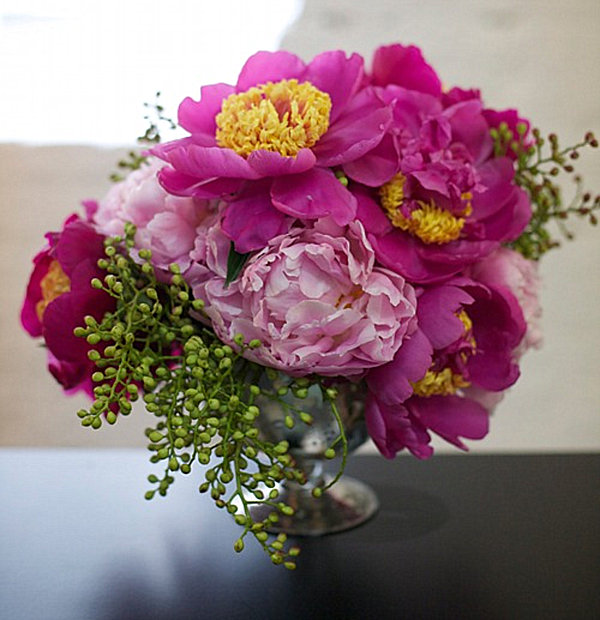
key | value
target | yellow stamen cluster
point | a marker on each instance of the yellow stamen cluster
(465, 319)
(54, 284)
(429, 223)
(283, 117)
(442, 383)
(446, 382)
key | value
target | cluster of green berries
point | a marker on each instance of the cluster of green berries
(539, 161)
(201, 392)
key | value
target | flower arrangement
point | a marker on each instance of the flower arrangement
(324, 223)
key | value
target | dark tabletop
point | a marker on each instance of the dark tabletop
(456, 537)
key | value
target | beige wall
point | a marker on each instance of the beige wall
(540, 56)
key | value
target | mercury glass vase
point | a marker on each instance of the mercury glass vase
(345, 504)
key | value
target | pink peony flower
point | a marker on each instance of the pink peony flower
(285, 121)
(313, 297)
(507, 269)
(165, 224)
(442, 200)
(473, 332)
(59, 295)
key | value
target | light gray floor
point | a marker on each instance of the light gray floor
(539, 56)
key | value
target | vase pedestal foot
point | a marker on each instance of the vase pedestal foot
(345, 505)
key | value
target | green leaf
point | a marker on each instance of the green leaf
(235, 264)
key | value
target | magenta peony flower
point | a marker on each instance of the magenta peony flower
(59, 295)
(313, 297)
(394, 428)
(508, 270)
(165, 224)
(285, 121)
(445, 201)
(473, 333)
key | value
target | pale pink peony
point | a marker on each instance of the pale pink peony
(165, 224)
(313, 297)
(509, 269)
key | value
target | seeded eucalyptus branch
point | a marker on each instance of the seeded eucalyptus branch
(538, 163)
(201, 392)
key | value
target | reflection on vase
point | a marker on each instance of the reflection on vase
(345, 504)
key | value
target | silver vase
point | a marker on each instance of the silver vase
(347, 502)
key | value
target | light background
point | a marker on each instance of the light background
(541, 56)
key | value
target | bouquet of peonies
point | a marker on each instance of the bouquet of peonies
(322, 222)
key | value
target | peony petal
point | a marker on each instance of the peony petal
(437, 310)
(394, 428)
(371, 214)
(496, 180)
(252, 222)
(181, 184)
(410, 107)
(340, 77)
(66, 313)
(360, 129)
(72, 376)
(377, 166)
(405, 66)
(471, 129)
(265, 67)
(268, 163)
(498, 328)
(207, 163)
(391, 382)
(314, 194)
(400, 253)
(29, 317)
(509, 221)
(77, 242)
(198, 117)
(452, 417)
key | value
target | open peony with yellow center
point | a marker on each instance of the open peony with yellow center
(425, 220)
(52, 285)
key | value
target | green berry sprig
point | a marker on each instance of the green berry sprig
(201, 392)
(538, 162)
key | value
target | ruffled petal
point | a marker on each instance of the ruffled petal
(265, 67)
(392, 428)
(471, 129)
(338, 76)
